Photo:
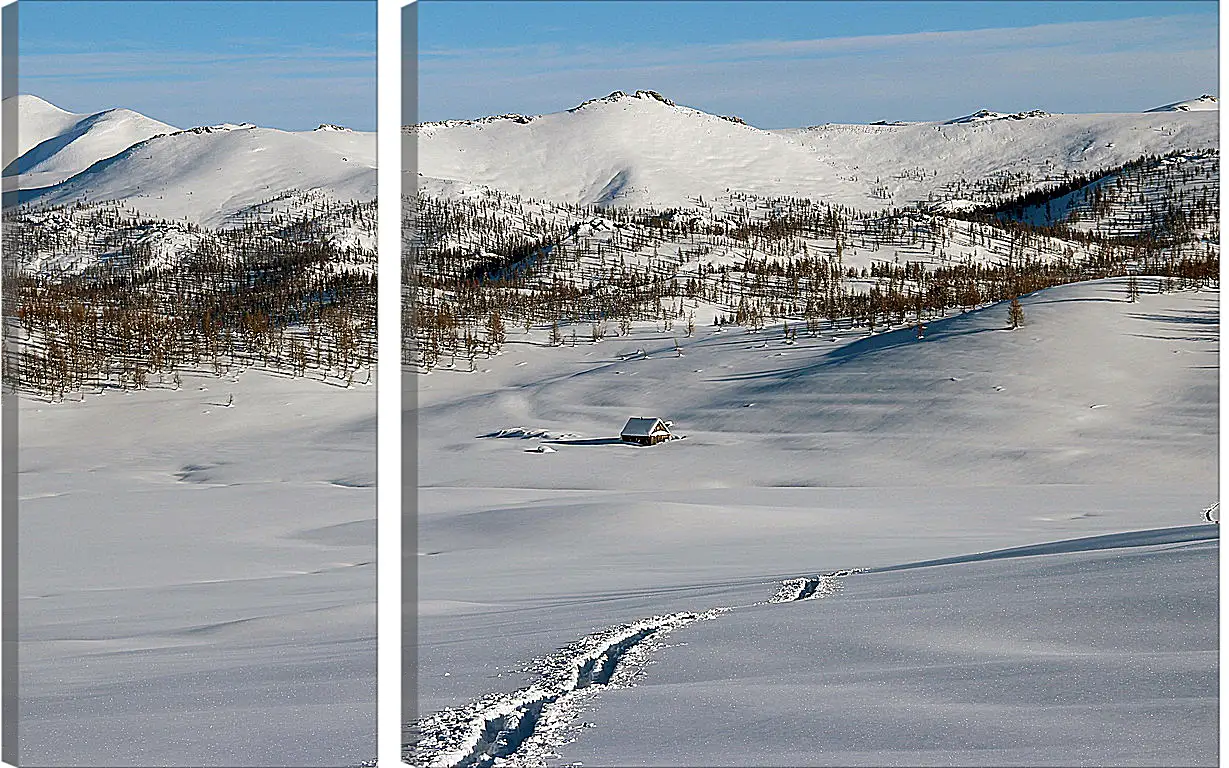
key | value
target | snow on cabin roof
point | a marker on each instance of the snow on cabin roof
(644, 427)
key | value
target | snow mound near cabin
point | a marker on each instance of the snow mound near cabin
(535, 434)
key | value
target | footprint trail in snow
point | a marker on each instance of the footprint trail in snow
(811, 587)
(525, 727)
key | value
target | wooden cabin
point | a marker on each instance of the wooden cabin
(645, 431)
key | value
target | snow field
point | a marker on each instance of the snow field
(840, 452)
(197, 587)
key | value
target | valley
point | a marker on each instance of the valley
(920, 526)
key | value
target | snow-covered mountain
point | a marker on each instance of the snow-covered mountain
(1204, 103)
(643, 149)
(640, 149)
(902, 164)
(205, 174)
(54, 144)
(208, 174)
(986, 115)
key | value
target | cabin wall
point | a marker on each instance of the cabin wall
(643, 440)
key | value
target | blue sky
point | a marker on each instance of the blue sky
(281, 63)
(779, 64)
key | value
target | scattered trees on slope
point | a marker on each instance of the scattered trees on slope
(536, 264)
(280, 296)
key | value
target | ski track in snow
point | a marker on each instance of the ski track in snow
(523, 728)
(811, 587)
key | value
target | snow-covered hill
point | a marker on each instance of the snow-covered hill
(619, 150)
(56, 145)
(1204, 103)
(39, 120)
(197, 212)
(205, 175)
(645, 150)
(908, 163)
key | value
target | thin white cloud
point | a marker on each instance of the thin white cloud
(1080, 66)
(290, 88)
(163, 64)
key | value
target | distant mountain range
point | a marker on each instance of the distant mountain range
(203, 174)
(643, 149)
(639, 149)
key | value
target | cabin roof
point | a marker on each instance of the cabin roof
(639, 426)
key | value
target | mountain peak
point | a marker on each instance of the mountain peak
(220, 128)
(32, 109)
(987, 115)
(617, 96)
(654, 95)
(36, 101)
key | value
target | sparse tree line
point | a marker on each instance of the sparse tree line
(277, 296)
(1163, 197)
(478, 266)
(989, 189)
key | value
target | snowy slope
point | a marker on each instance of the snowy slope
(208, 174)
(198, 587)
(973, 403)
(356, 146)
(1097, 417)
(131, 169)
(1204, 103)
(39, 120)
(988, 662)
(583, 601)
(912, 162)
(623, 150)
(645, 150)
(56, 144)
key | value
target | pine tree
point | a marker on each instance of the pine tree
(495, 332)
(1015, 314)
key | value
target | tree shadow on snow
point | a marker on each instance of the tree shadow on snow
(1205, 326)
(901, 338)
(1098, 299)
